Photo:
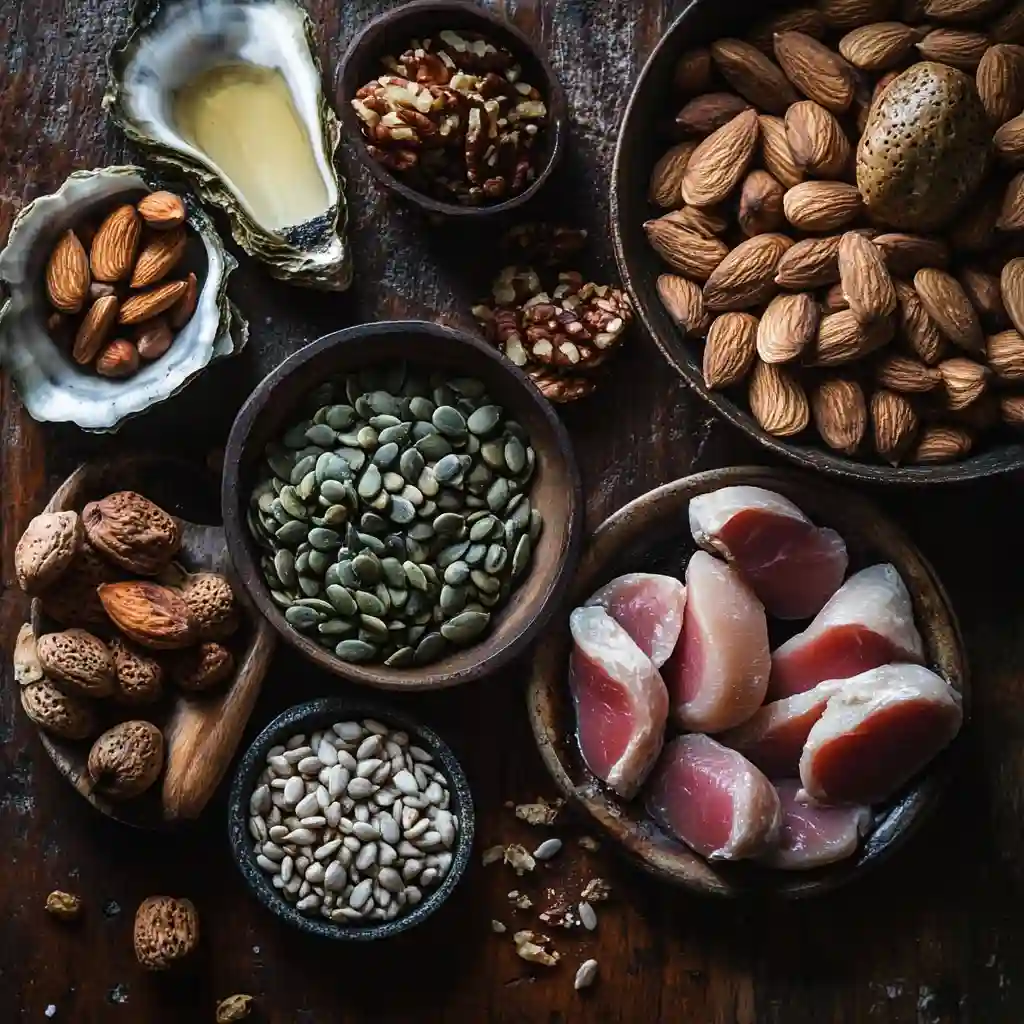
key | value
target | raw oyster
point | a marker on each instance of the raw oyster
(229, 93)
(51, 386)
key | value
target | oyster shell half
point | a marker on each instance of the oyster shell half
(52, 387)
(229, 93)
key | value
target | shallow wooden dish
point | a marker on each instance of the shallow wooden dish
(390, 33)
(652, 533)
(556, 490)
(202, 732)
(640, 144)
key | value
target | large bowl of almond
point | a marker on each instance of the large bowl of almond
(818, 211)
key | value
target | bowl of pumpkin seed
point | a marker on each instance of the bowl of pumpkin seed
(402, 505)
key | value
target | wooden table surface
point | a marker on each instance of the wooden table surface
(935, 936)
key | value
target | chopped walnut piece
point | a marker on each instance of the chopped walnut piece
(530, 946)
(544, 244)
(520, 900)
(64, 905)
(596, 890)
(492, 855)
(519, 858)
(498, 928)
(539, 813)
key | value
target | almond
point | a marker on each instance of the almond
(1009, 141)
(118, 359)
(961, 10)
(149, 304)
(800, 19)
(706, 114)
(162, 210)
(834, 300)
(983, 291)
(1005, 354)
(866, 282)
(93, 330)
(975, 226)
(901, 373)
(67, 274)
(753, 75)
(720, 161)
(1011, 286)
(905, 255)
(1011, 215)
(692, 73)
(1011, 409)
(159, 257)
(821, 205)
(840, 413)
(817, 72)
(707, 222)
(153, 338)
(958, 47)
(847, 14)
(777, 400)
(684, 250)
(730, 350)
(965, 381)
(775, 152)
(941, 443)
(760, 208)
(812, 263)
(817, 140)
(978, 417)
(894, 424)
(1001, 81)
(746, 277)
(918, 328)
(949, 308)
(842, 338)
(1009, 28)
(151, 615)
(667, 176)
(684, 302)
(113, 248)
(879, 46)
(184, 309)
(787, 327)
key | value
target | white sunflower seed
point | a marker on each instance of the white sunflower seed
(585, 975)
(547, 849)
(588, 916)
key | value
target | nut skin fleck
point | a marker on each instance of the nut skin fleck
(63, 905)
(166, 932)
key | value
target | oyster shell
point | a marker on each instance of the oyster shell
(52, 387)
(170, 48)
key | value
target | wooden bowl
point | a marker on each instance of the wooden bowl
(390, 34)
(555, 490)
(201, 732)
(652, 534)
(639, 146)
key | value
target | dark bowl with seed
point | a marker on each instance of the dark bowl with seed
(406, 521)
(473, 121)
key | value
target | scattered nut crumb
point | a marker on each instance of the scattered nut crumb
(596, 890)
(517, 857)
(64, 905)
(50, 1011)
(539, 813)
(585, 975)
(498, 928)
(589, 843)
(520, 900)
(530, 946)
(492, 855)
(233, 1008)
(559, 915)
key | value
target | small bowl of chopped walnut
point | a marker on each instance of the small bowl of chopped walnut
(452, 108)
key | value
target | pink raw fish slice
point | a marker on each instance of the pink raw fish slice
(792, 565)
(813, 836)
(713, 799)
(649, 608)
(869, 622)
(621, 701)
(719, 671)
(877, 732)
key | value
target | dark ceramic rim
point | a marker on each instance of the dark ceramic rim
(304, 717)
(1006, 459)
(516, 40)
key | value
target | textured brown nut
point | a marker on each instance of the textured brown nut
(113, 248)
(746, 277)
(59, 713)
(819, 206)
(866, 283)
(683, 249)
(983, 291)
(840, 413)
(847, 14)
(787, 327)
(1000, 81)
(961, 10)
(760, 208)
(75, 601)
(1011, 409)
(162, 210)
(78, 661)
(842, 338)
(126, 760)
(149, 304)
(140, 678)
(894, 424)
(1011, 286)
(720, 161)
(153, 338)
(166, 931)
(965, 381)
(233, 1008)
(777, 400)
(67, 274)
(906, 254)
(684, 302)
(1011, 214)
(159, 257)
(27, 668)
(816, 71)
(1009, 27)
(46, 549)
(834, 300)
(949, 308)
(1005, 354)
(753, 75)
(151, 615)
(776, 155)
(212, 603)
(730, 349)
(667, 176)
(132, 531)
(878, 46)
(911, 376)
(960, 48)
(64, 905)
(1009, 141)
(941, 443)
(817, 140)
(94, 329)
(921, 334)
(811, 263)
(203, 667)
(118, 359)
(692, 73)
(707, 222)
(184, 309)
(799, 19)
(707, 113)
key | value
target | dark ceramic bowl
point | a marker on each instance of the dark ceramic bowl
(391, 33)
(555, 489)
(318, 714)
(640, 144)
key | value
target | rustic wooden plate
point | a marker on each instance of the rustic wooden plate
(652, 534)
(202, 733)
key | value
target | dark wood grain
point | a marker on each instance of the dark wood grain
(934, 937)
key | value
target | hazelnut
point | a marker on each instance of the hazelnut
(151, 615)
(75, 602)
(117, 359)
(203, 667)
(64, 905)
(46, 549)
(212, 603)
(166, 931)
(127, 759)
(140, 678)
(79, 661)
(132, 531)
(153, 338)
(27, 668)
(59, 713)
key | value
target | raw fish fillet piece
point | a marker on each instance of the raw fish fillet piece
(718, 673)
(868, 622)
(713, 799)
(649, 608)
(621, 701)
(774, 737)
(812, 836)
(877, 732)
(792, 565)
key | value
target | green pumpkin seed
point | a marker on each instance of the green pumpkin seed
(449, 524)
(433, 447)
(393, 572)
(466, 627)
(536, 525)
(347, 574)
(480, 530)
(292, 503)
(370, 522)
(495, 558)
(367, 567)
(382, 502)
(515, 455)
(340, 417)
(493, 454)
(421, 532)
(457, 573)
(284, 566)
(422, 429)
(469, 387)
(367, 437)
(442, 394)
(369, 483)
(363, 408)
(300, 617)
(411, 464)
(354, 389)
(421, 408)
(402, 511)
(304, 465)
(394, 483)
(321, 435)
(396, 434)
(319, 562)
(333, 491)
(385, 455)
(416, 551)
(452, 600)
(342, 600)
(369, 604)
(383, 422)
(413, 495)
(521, 558)
(450, 501)
(429, 649)
(335, 628)
(394, 546)
(484, 420)
(398, 597)
(296, 437)
(498, 494)
(414, 575)
(490, 600)
(309, 585)
(332, 577)
(484, 583)
(280, 462)
(475, 555)
(427, 483)
(415, 634)
(427, 510)
(402, 658)
(355, 651)
(324, 539)
(291, 534)
(371, 543)
(302, 562)
(374, 626)
(447, 469)
(306, 488)
(278, 514)
(449, 421)
(452, 553)
(317, 604)
(280, 599)
(355, 458)
(382, 403)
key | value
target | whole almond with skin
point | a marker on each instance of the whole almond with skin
(667, 176)
(149, 304)
(1011, 286)
(866, 282)
(760, 209)
(1009, 141)
(983, 291)
(707, 221)
(879, 46)
(184, 309)
(907, 254)
(67, 274)
(776, 155)
(961, 10)
(1000, 81)
(777, 400)
(788, 326)
(753, 75)
(153, 338)
(1009, 27)
(811, 263)
(818, 206)
(840, 413)
(93, 330)
(162, 210)
(949, 308)
(692, 73)
(816, 71)
(894, 424)
(151, 615)
(684, 302)
(117, 359)
(1011, 409)
(921, 334)
(99, 290)
(684, 250)
(958, 47)
(842, 338)
(113, 249)
(720, 161)
(834, 300)
(799, 19)
(706, 114)
(1005, 354)
(817, 140)
(938, 442)
(965, 381)
(730, 349)
(159, 257)
(847, 14)
(1011, 216)
(746, 276)
(901, 373)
